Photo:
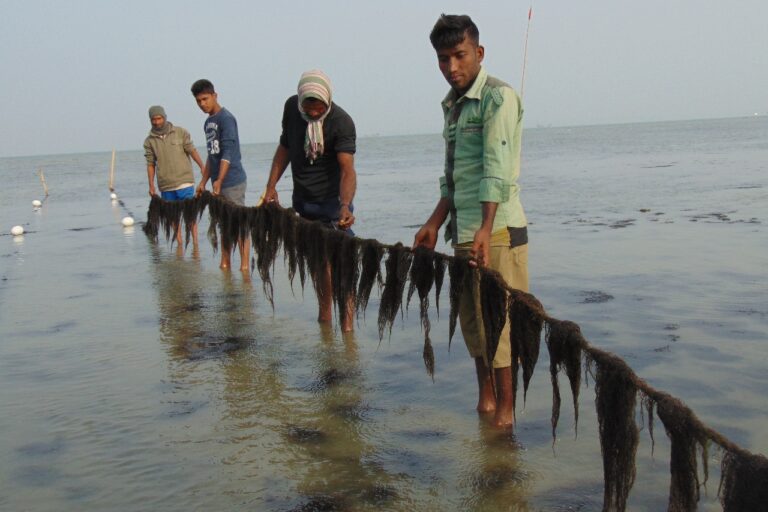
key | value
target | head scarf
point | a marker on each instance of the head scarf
(316, 85)
(157, 110)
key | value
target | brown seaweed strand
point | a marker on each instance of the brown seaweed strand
(684, 482)
(151, 226)
(260, 238)
(429, 357)
(371, 255)
(525, 328)
(343, 253)
(190, 214)
(422, 279)
(565, 349)
(397, 265)
(302, 249)
(615, 398)
(458, 268)
(289, 232)
(494, 304)
(649, 404)
(214, 214)
(439, 262)
(744, 482)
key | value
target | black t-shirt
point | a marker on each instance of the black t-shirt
(320, 180)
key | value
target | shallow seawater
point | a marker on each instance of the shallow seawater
(137, 377)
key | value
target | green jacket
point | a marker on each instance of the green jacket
(482, 133)
(170, 154)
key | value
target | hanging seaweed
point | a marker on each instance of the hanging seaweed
(493, 301)
(343, 254)
(429, 357)
(151, 226)
(649, 404)
(684, 437)
(192, 210)
(289, 229)
(743, 482)
(216, 213)
(615, 397)
(422, 278)
(309, 248)
(439, 261)
(371, 253)
(266, 223)
(525, 333)
(564, 344)
(458, 269)
(303, 242)
(397, 265)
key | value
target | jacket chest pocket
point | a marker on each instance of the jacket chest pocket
(471, 124)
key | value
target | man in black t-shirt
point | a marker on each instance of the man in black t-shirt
(318, 140)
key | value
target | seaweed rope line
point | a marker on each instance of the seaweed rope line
(307, 246)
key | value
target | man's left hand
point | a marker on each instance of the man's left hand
(481, 248)
(216, 188)
(346, 219)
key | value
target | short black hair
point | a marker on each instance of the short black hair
(202, 86)
(451, 29)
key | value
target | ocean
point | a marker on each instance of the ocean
(136, 376)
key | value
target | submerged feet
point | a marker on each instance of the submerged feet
(496, 395)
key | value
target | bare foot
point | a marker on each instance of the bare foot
(504, 418)
(505, 400)
(486, 401)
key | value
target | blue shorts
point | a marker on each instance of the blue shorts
(178, 195)
(325, 212)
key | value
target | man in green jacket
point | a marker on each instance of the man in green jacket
(168, 150)
(482, 132)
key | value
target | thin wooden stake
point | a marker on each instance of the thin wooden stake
(525, 52)
(112, 173)
(42, 180)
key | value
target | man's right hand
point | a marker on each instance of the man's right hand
(152, 192)
(425, 237)
(270, 196)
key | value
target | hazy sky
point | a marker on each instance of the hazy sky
(79, 76)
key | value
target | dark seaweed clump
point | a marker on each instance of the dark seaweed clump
(564, 344)
(615, 397)
(440, 261)
(371, 254)
(525, 334)
(343, 254)
(493, 301)
(397, 265)
(422, 278)
(311, 249)
(744, 484)
(458, 270)
(679, 424)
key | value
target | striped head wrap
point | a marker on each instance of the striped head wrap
(314, 84)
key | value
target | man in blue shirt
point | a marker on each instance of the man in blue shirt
(223, 165)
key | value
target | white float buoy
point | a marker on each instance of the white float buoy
(113, 195)
(37, 203)
(127, 221)
(17, 230)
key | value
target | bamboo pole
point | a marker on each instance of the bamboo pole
(525, 52)
(112, 173)
(42, 180)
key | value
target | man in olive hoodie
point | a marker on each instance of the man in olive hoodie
(168, 149)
